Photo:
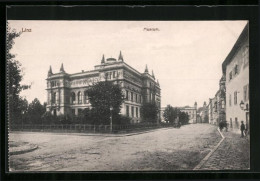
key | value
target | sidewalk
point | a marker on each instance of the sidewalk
(232, 154)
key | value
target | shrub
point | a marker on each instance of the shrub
(121, 120)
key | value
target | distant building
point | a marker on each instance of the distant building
(203, 114)
(191, 111)
(67, 93)
(236, 70)
(217, 104)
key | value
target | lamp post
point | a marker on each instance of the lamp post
(242, 105)
(111, 122)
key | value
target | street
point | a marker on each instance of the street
(161, 149)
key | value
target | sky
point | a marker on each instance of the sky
(186, 56)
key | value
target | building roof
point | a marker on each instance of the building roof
(236, 46)
(110, 63)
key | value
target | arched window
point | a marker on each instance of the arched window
(73, 98)
(79, 97)
(86, 100)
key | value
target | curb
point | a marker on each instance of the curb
(23, 151)
(202, 162)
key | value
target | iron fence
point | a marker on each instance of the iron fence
(84, 128)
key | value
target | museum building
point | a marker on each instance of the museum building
(67, 93)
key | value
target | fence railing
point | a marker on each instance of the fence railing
(85, 128)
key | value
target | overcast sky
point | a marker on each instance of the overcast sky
(186, 56)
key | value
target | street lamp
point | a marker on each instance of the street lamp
(111, 124)
(242, 104)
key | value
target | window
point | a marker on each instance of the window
(231, 125)
(132, 97)
(53, 99)
(126, 95)
(127, 111)
(79, 98)
(136, 98)
(230, 100)
(136, 112)
(73, 98)
(230, 75)
(108, 75)
(215, 106)
(245, 56)
(246, 92)
(235, 98)
(53, 83)
(86, 99)
(236, 69)
(114, 74)
(140, 98)
(132, 111)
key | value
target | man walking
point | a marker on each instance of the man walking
(242, 128)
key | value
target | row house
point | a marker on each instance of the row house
(236, 69)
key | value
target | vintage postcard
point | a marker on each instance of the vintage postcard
(128, 95)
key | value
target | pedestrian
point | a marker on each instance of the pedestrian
(226, 126)
(242, 128)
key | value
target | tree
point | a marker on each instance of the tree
(149, 112)
(14, 77)
(23, 107)
(103, 96)
(85, 117)
(170, 114)
(183, 118)
(35, 111)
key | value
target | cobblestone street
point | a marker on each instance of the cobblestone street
(232, 154)
(161, 149)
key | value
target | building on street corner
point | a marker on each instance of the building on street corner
(236, 70)
(67, 93)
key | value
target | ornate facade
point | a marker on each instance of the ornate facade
(67, 93)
